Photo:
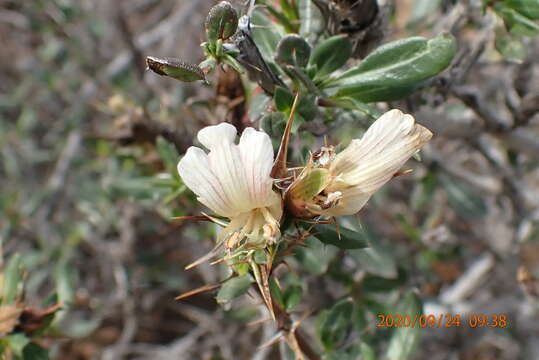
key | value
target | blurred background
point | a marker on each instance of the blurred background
(89, 142)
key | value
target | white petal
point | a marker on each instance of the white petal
(226, 163)
(257, 157)
(353, 199)
(231, 179)
(372, 161)
(215, 135)
(194, 169)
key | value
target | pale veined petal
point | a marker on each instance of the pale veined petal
(195, 171)
(257, 158)
(372, 161)
(353, 199)
(226, 163)
(215, 135)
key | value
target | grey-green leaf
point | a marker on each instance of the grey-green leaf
(393, 70)
(405, 339)
(342, 238)
(331, 54)
(233, 288)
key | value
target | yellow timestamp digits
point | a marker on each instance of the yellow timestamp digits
(442, 320)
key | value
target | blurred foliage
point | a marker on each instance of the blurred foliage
(89, 183)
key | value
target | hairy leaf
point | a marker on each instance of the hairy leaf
(331, 54)
(395, 69)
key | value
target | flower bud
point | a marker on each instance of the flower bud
(311, 182)
(175, 68)
(221, 22)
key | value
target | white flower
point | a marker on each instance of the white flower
(348, 179)
(234, 181)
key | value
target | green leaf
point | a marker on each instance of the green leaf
(12, 280)
(393, 70)
(351, 103)
(276, 293)
(315, 256)
(33, 351)
(293, 50)
(375, 284)
(292, 297)
(233, 288)
(343, 238)
(331, 54)
(517, 23)
(312, 22)
(273, 124)
(405, 339)
(528, 8)
(335, 324)
(283, 99)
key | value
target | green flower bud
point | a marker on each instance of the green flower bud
(221, 22)
(310, 183)
(175, 68)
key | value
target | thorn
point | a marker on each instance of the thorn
(258, 321)
(196, 291)
(279, 169)
(272, 341)
(206, 257)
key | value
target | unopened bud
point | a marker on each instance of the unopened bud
(221, 22)
(309, 184)
(175, 68)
